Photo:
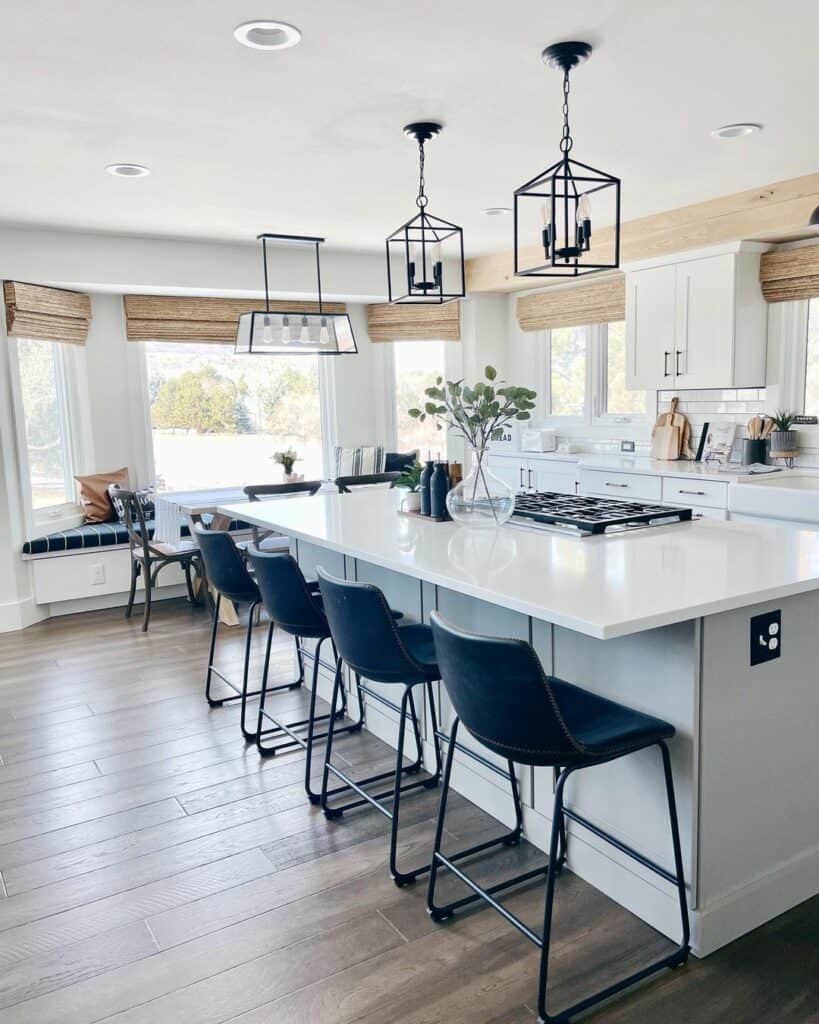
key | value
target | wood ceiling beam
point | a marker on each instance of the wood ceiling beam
(772, 213)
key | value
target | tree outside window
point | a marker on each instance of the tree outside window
(218, 418)
(418, 364)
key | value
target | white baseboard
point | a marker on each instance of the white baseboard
(92, 604)
(750, 906)
(16, 615)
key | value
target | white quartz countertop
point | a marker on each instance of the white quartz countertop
(604, 587)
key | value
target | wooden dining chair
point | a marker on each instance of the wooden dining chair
(149, 557)
(268, 540)
(346, 483)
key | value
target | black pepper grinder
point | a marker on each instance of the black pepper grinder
(424, 486)
(438, 490)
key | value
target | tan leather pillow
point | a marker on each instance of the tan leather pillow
(94, 494)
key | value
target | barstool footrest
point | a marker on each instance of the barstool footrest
(369, 798)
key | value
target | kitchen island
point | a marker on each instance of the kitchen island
(658, 619)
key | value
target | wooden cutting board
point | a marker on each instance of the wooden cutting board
(668, 432)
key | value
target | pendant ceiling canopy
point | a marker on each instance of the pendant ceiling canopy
(553, 211)
(425, 256)
(269, 332)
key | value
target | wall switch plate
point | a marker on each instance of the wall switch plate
(766, 637)
(97, 573)
(626, 446)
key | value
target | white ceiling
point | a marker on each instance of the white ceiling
(308, 140)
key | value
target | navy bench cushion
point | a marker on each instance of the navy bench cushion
(96, 535)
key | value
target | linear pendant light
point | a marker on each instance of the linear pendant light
(265, 332)
(425, 256)
(555, 207)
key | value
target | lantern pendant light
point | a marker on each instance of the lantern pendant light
(553, 211)
(283, 331)
(425, 256)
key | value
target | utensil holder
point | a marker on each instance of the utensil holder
(754, 450)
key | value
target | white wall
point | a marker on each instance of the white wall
(109, 413)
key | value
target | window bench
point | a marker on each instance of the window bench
(92, 562)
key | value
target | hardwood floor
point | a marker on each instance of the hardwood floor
(155, 870)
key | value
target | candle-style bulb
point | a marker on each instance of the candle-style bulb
(324, 334)
(304, 336)
(285, 330)
(583, 209)
(267, 330)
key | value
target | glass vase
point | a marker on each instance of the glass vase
(481, 499)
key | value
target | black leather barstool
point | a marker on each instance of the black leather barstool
(504, 699)
(375, 646)
(295, 606)
(227, 572)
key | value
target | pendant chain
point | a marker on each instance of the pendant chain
(422, 200)
(566, 139)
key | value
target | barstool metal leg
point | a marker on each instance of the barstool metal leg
(675, 959)
(208, 679)
(248, 735)
(512, 838)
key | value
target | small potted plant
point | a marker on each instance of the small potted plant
(783, 438)
(410, 481)
(287, 459)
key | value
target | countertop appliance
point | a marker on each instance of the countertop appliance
(586, 516)
(538, 440)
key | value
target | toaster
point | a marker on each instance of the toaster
(538, 441)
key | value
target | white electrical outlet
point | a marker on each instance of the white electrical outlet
(98, 573)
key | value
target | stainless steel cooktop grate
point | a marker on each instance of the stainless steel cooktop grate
(593, 515)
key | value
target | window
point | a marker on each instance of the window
(217, 419)
(811, 405)
(417, 365)
(46, 448)
(618, 401)
(568, 360)
(587, 375)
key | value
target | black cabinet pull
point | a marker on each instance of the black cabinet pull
(530, 480)
(698, 493)
(665, 364)
(677, 355)
(616, 485)
(522, 485)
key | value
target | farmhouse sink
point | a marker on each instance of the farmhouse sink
(792, 496)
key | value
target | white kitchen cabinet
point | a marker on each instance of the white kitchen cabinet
(650, 327)
(523, 473)
(697, 323)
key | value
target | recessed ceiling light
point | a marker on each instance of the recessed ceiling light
(267, 35)
(496, 211)
(128, 170)
(735, 131)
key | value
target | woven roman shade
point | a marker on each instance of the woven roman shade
(598, 303)
(398, 322)
(790, 274)
(200, 319)
(53, 314)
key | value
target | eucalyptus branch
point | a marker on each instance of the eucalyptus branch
(478, 413)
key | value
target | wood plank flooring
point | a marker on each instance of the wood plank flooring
(153, 869)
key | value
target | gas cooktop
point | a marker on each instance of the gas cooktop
(587, 515)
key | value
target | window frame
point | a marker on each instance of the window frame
(67, 514)
(388, 414)
(595, 412)
(145, 468)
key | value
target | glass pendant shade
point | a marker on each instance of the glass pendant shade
(555, 211)
(425, 256)
(291, 332)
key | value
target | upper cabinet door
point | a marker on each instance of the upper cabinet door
(706, 320)
(650, 328)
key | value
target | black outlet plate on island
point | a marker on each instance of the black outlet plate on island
(766, 637)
